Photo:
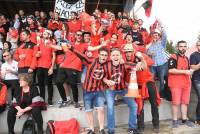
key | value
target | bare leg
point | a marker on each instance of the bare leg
(90, 119)
(101, 117)
(184, 111)
(175, 112)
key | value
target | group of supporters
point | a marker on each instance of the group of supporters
(105, 50)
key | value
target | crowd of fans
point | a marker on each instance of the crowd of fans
(105, 49)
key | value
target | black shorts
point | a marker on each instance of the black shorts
(69, 75)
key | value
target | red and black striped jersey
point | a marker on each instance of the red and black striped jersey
(116, 74)
(95, 73)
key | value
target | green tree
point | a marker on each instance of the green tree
(170, 48)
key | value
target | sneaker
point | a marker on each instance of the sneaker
(111, 132)
(63, 104)
(156, 130)
(60, 101)
(141, 130)
(69, 102)
(175, 124)
(90, 132)
(102, 131)
(189, 123)
(180, 122)
(198, 122)
(76, 105)
(133, 131)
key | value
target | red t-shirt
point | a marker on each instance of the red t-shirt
(33, 37)
(45, 59)
(71, 60)
(74, 26)
(179, 80)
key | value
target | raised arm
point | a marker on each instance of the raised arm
(82, 57)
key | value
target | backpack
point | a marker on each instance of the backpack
(177, 57)
(63, 127)
(167, 90)
(29, 126)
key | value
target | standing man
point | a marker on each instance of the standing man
(93, 94)
(69, 70)
(26, 54)
(180, 84)
(146, 86)
(157, 52)
(45, 63)
(115, 81)
(195, 64)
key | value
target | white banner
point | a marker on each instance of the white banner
(64, 9)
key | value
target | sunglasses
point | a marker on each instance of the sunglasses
(78, 34)
(5, 55)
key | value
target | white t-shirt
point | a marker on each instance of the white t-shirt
(13, 66)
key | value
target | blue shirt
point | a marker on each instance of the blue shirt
(158, 49)
(194, 60)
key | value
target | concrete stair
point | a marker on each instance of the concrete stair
(121, 111)
(55, 113)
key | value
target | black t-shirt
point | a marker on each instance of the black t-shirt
(137, 36)
(194, 60)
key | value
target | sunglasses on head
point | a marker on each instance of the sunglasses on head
(79, 34)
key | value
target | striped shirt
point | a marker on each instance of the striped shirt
(117, 74)
(95, 73)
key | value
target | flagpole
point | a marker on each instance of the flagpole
(98, 4)
(138, 9)
(54, 10)
(84, 4)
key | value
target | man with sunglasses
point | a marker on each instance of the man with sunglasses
(69, 70)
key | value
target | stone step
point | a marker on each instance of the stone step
(55, 113)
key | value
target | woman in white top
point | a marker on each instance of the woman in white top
(9, 72)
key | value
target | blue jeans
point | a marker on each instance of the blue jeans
(161, 73)
(196, 85)
(93, 99)
(110, 96)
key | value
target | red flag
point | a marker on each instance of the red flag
(147, 5)
(86, 18)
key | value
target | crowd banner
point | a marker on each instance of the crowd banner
(65, 9)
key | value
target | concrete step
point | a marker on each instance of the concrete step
(55, 113)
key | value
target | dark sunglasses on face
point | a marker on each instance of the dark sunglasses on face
(5, 55)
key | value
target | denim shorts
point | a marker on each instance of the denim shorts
(93, 99)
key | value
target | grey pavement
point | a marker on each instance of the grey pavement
(165, 128)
